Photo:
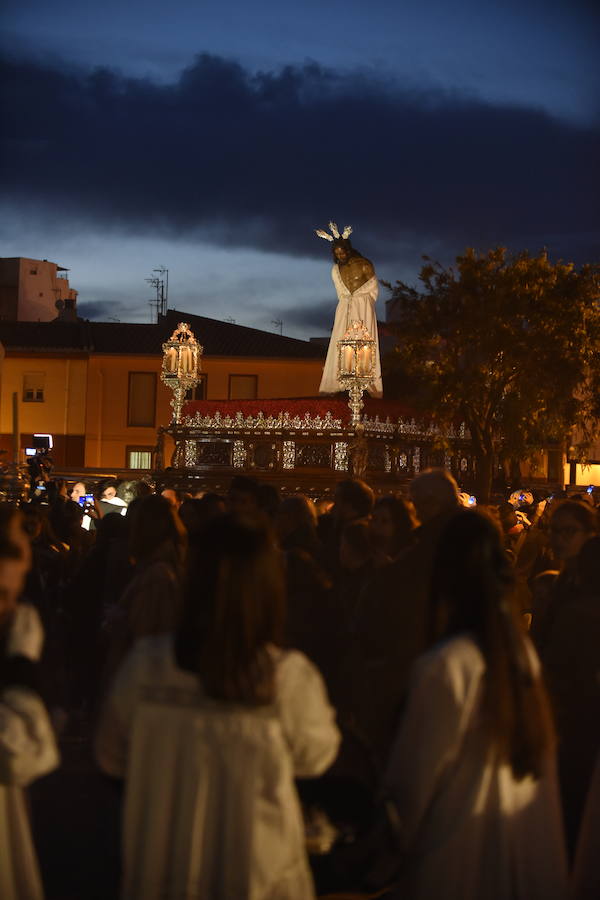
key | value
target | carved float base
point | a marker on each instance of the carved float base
(308, 444)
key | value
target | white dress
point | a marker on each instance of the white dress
(211, 809)
(470, 830)
(357, 306)
(27, 751)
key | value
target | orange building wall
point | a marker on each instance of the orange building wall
(61, 413)
(276, 377)
(107, 432)
(86, 399)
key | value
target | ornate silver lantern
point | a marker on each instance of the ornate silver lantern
(181, 364)
(356, 366)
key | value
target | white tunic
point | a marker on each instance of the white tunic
(471, 831)
(27, 751)
(357, 306)
(211, 809)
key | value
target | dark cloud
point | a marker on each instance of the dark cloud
(260, 159)
(316, 318)
(103, 311)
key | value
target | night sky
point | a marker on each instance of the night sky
(212, 137)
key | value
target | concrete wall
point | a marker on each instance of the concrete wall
(29, 289)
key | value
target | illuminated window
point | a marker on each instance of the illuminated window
(138, 457)
(243, 387)
(141, 410)
(33, 387)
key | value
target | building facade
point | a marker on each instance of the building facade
(34, 290)
(95, 386)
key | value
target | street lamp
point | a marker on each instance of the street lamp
(180, 367)
(356, 366)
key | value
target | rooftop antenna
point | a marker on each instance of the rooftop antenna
(278, 323)
(164, 288)
(161, 285)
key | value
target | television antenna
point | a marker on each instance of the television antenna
(278, 323)
(160, 282)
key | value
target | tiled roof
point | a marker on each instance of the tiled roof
(217, 338)
(51, 336)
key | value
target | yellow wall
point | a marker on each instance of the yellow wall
(63, 408)
(585, 475)
(276, 377)
(107, 432)
(89, 396)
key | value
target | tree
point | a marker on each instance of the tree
(508, 344)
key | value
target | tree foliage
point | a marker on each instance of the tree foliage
(508, 344)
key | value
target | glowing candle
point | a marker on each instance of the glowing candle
(365, 361)
(348, 360)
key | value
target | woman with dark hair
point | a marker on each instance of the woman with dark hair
(472, 770)
(572, 523)
(392, 525)
(157, 547)
(152, 601)
(296, 525)
(569, 649)
(210, 726)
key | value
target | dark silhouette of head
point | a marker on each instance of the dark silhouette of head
(234, 611)
(393, 522)
(156, 531)
(354, 499)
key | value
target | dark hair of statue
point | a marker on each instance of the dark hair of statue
(234, 612)
(472, 591)
(345, 243)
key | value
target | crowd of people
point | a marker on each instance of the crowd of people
(395, 694)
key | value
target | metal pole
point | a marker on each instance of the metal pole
(16, 429)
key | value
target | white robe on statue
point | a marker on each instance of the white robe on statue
(211, 809)
(357, 306)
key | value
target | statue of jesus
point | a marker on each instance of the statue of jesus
(356, 287)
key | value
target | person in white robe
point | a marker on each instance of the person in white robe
(477, 802)
(27, 742)
(211, 809)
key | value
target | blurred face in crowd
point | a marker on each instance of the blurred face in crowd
(109, 492)
(567, 535)
(14, 566)
(170, 495)
(242, 503)
(78, 491)
(382, 524)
